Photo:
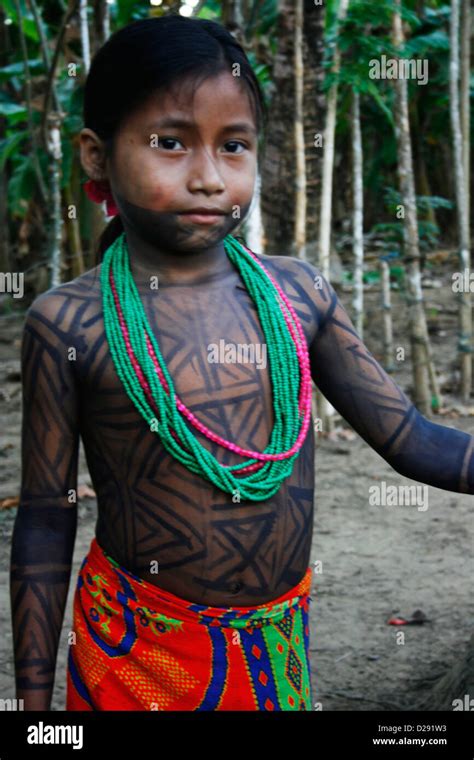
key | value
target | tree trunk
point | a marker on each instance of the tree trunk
(300, 201)
(420, 349)
(74, 235)
(278, 170)
(328, 160)
(420, 164)
(233, 19)
(358, 217)
(101, 32)
(6, 260)
(101, 24)
(54, 150)
(465, 317)
(326, 198)
(253, 224)
(387, 315)
(85, 40)
(466, 27)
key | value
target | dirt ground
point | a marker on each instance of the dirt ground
(377, 561)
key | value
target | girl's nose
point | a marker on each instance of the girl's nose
(204, 173)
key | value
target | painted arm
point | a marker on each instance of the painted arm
(375, 406)
(45, 525)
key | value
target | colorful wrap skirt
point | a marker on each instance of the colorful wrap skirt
(138, 647)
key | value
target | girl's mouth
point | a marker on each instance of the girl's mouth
(203, 216)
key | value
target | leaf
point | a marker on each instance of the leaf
(13, 111)
(424, 43)
(35, 65)
(433, 201)
(373, 90)
(21, 186)
(128, 11)
(27, 19)
(9, 145)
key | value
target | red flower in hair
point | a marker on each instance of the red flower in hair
(99, 192)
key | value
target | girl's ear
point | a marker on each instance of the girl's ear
(93, 154)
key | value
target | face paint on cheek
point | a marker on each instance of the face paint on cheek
(166, 229)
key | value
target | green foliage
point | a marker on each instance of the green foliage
(9, 145)
(12, 111)
(21, 185)
(364, 35)
(390, 234)
(372, 276)
(127, 11)
(27, 19)
(210, 10)
(15, 72)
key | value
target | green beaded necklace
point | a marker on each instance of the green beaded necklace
(143, 372)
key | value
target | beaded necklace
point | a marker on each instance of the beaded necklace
(143, 372)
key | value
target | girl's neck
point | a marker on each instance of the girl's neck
(176, 267)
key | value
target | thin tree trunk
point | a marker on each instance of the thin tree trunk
(387, 315)
(50, 87)
(328, 159)
(326, 197)
(422, 178)
(358, 217)
(5, 258)
(54, 150)
(278, 169)
(101, 29)
(44, 47)
(101, 23)
(6, 263)
(74, 235)
(300, 205)
(85, 40)
(233, 19)
(253, 225)
(465, 317)
(466, 28)
(51, 123)
(423, 370)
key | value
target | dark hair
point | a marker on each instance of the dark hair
(155, 54)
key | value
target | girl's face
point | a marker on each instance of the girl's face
(186, 150)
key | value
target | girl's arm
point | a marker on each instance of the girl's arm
(45, 526)
(366, 396)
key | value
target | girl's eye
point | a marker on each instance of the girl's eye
(172, 144)
(165, 141)
(238, 144)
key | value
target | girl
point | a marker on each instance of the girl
(196, 589)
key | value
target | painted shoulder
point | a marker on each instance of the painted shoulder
(82, 286)
(304, 282)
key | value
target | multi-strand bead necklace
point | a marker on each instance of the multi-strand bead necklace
(142, 369)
